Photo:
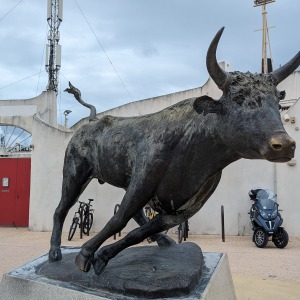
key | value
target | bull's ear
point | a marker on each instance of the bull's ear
(206, 105)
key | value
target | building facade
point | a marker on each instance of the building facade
(49, 142)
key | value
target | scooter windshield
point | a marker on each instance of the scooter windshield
(264, 194)
(267, 204)
(266, 199)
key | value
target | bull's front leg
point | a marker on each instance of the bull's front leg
(151, 228)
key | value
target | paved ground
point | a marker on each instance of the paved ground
(259, 274)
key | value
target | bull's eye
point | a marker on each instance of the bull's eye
(239, 99)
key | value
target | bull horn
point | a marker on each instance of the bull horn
(217, 74)
(283, 72)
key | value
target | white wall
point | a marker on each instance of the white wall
(20, 112)
(46, 173)
(51, 140)
(237, 179)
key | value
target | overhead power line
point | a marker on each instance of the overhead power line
(20, 80)
(102, 48)
(1, 18)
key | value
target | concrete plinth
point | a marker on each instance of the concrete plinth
(183, 272)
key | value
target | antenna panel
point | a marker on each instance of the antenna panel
(60, 10)
(58, 56)
(49, 10)
(47, 56)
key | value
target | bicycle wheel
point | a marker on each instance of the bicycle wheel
(73, 228)
(87, 223)
(181, 230)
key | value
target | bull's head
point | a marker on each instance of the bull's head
(249, 109)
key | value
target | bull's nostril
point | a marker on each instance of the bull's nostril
(277, 147)
(293, 146)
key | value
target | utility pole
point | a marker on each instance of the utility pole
(53, 49)
(266, 62)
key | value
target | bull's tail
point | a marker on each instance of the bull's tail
(77, 94)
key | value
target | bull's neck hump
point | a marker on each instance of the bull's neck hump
(202, 146)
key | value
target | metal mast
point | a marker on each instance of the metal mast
(53, 49)
(266, 62)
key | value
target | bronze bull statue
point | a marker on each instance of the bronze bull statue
(172, 159)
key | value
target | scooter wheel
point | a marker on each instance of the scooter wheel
(281, 238)
(260, 238)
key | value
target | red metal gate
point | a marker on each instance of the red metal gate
(15, 191)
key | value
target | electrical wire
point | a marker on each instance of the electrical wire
(101, 46)
(5, 86)
(41, 63)
(10, 10)
(64, 76)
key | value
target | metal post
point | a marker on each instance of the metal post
(266, 62)
(115, 210)
(81, 222)
(88, 219)
(264, 40)
(222, 223)
(66, 113)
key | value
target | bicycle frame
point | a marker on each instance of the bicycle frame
(83, 217)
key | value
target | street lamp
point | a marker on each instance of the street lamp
(262, 2)
(66, 113)
(266, 62)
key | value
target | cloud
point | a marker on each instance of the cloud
(155, 47)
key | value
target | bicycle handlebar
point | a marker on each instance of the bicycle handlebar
(84, 203)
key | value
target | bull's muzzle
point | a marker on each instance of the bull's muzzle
(281, 148)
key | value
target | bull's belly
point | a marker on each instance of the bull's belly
(177, 202)
(170, 207)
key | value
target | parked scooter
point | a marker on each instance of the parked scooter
(265, 219)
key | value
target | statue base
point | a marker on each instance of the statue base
(147, 272)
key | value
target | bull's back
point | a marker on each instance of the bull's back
(113, 145)
(108, 145)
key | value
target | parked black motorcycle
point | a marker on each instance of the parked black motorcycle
(265, 219)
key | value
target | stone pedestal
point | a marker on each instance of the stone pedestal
(148, 272)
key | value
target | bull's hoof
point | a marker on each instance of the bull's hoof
(99, 264)
(164, 241)
(55, 255)
(83, 262)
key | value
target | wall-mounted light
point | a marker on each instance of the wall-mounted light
(286, 117)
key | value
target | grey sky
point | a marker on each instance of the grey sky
(158, 47)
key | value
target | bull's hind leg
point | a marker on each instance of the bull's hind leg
(151, 228)
(162, 239)
(136, 197)
(72, 187)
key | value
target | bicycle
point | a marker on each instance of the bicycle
(183, 231)
(149, 212)
(83, 218)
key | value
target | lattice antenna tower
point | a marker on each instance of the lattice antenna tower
(53, 49)
(266, 66)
